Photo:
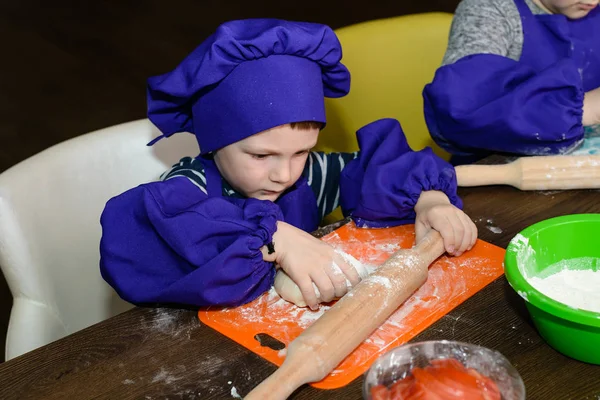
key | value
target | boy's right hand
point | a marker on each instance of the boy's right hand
(591, 107)
(308, 260)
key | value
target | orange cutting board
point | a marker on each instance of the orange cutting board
(451, 281)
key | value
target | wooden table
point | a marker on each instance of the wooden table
(166, 353)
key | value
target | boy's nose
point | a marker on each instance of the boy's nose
(281, 173)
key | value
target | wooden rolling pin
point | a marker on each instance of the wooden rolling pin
(536, 173)
(321, 347)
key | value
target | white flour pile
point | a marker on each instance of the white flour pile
(576, 284)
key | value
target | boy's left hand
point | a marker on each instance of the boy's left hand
(434, 211)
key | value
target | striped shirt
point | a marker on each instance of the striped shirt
(322, 172)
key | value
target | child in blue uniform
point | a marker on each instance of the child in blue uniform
(214, 229)
(519, 77)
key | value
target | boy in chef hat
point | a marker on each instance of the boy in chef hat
(213, 231)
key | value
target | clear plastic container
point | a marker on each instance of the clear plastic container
(398, 363)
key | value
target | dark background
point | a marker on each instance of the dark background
(71, 67)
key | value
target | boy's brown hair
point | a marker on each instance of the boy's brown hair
(306, 125)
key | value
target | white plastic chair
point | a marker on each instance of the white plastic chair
(50, 206)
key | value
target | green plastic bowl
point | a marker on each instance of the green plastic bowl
(571, 331)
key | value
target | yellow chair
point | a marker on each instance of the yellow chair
(390, 62)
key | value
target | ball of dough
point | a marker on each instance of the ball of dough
(289, 291)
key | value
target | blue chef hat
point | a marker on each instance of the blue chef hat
(249, 76)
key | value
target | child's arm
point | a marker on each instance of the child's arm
(487, 100)
(167, 242)
(389, 184)
(591, 107)
(434, 211)
(485, 27)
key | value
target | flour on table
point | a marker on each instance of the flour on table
(494, 229)
(165, 377)
(235, 394)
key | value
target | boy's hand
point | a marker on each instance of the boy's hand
(308, 260)
(434, 211)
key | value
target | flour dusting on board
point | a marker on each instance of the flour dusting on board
(362, 269)
(427, 297)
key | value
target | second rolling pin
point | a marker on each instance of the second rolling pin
(536, 173)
